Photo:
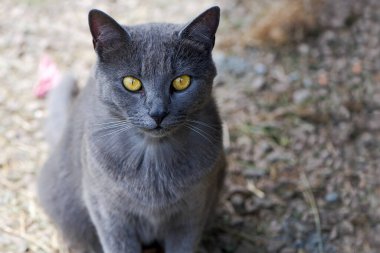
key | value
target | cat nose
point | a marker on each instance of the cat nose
(158, 116)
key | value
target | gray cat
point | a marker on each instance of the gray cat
(140, 159)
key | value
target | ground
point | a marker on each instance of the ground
(302, 122)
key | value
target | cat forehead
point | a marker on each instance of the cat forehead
(153, 32)
(153, 47)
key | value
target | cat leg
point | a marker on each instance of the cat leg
(184, 239)
(185, 231)
(115, 229)
(81, 237)
(116, 236)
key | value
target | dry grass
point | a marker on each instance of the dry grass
(309, 197)
(22, 223)
(284, 21)
(271, 23)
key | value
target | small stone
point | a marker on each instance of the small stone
(323, 79)
(236, 220)
(275, 227)
(254, 172)
(245, 247)
(307, 82)
(303, 49)
(288, 250)
(231, 64)
(237, 200)
(260, 69)
(301, 96)
(346, 228)
(258, 83)
(332, 197)
(294, 76)
(334, 233)
(275, 245)
(312, 242)
(357, 67)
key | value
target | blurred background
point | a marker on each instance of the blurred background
(298, 88)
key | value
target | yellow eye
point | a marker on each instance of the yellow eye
(131, 83)
(181, 82)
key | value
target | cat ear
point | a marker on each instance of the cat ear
(203, 28)
(107, 34)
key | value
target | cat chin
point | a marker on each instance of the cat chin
(157, 133)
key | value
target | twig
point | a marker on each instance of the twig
(308, 194)
(252, 188)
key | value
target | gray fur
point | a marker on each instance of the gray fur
(59, 101)
(115, 182)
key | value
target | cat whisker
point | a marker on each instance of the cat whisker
(211, 126)
(116, 131)
(111, 122)
(204, 132)
(111, 126)
(198, 132)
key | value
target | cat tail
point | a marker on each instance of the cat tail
(59, 101)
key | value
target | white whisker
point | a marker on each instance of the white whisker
(204, 132)
(111, 122)
(196, 131)
(111, 126)
(116, 131)
(211, 126)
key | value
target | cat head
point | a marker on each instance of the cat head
(154, 75)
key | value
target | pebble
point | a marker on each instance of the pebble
(304, 49)
(307, 82)
(231, 64)
(255, 172)
(245, 247)
(332, 197)
(323, 79)
(301, 96)
(236, 221)
(346, 228)
(275, 245)
(357, 67)
(288, 250)
(260, 69)
(258, 83)
(237, 200)
(312, 242)
(294, 76)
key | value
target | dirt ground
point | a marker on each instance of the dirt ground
(303, 120)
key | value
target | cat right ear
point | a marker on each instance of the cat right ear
(107, 34)
(203, 28)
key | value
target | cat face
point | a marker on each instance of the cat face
(154, 75)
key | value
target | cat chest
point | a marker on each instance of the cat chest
(151, 228)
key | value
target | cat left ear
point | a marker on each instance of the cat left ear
(203, 28)
(107, 34)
